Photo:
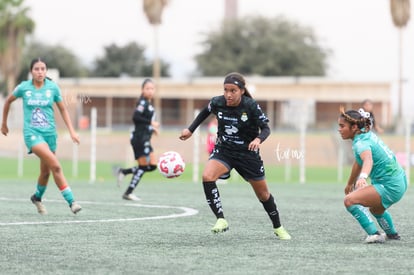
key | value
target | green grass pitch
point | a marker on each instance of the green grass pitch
(168, 231)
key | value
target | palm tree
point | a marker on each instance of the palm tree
(153, 10)
(15, 25)
(400, 12)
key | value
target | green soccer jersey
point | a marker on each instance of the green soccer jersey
(385, 165)
(38, 106)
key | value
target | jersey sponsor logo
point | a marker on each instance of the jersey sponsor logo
(220, 116)
(209, 107)
(38, 102)
(39, 118)
(262, 117)
(140, 108)
(240, 142)
(231, 129)
(27, 93)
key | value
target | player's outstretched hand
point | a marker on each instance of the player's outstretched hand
(75, 138)
(185, 134)
(4, 129)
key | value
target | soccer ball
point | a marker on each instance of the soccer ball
(171, 164)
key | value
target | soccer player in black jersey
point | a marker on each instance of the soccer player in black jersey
(145, 126)
(242, 127)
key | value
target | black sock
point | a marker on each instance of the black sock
(148, 168)
(134, 181)
(271, 209)
(213, 198)
(131, 170)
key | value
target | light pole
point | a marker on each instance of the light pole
(400, 12)
(153, 10)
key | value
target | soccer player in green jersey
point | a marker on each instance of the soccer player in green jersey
(242, 127)
(375, 160)
(39, 95)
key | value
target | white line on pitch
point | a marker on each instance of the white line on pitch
(186, 212)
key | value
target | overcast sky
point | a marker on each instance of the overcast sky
(359, 32)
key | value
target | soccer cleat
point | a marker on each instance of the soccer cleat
(282, 233)
(220, 226)
(39, 205)
(119, 177)
(130, 197)
(75, 207)
(394, 236)
(376, 238)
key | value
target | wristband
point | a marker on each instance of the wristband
(363, 176)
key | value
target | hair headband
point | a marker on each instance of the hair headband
(364, 116)
(233, 80)
(363, 113)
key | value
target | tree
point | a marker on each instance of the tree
(128, 60)
(57, 57)
(15, 25)
(267, 47)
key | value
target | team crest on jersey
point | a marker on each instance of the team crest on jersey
(48, 93)
(244, 117)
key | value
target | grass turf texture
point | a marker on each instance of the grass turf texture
(100, 240)
(104, 172)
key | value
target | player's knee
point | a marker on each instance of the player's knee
(209, 177)
(56, 168)
(263, 196)
(348, 201)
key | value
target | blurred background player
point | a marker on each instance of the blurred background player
(368, 106)
(242, 127)
(144, 127)
(375, 160)
(211, 135)
(39, 95)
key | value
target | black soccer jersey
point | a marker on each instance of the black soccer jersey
(237, 126)
(142, 118)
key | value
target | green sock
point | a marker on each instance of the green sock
(40, 190)
(362, 215)
(385, 221)
(68, 195)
